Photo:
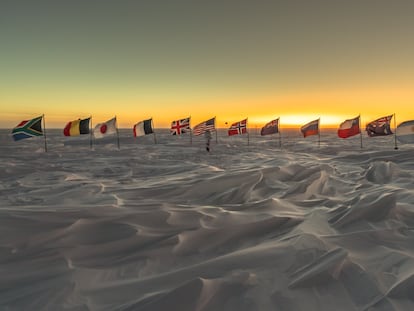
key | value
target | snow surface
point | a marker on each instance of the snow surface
(168, 226)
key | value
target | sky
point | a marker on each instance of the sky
(295, 59)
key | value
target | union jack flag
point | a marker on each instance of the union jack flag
(238, 128)
(180, 126)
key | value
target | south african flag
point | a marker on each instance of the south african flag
(28, 128)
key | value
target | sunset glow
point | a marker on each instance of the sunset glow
(166, 61)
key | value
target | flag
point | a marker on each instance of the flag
(238, 128)
(405, 132)
(311, 128)
(105, 128)
(77, 127)
(349, 128)
(208, 125)
(28, 128)
(379, 127)
(180, 126)
(143, 128)
(271, 127)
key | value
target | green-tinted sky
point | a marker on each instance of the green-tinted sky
(170, 59)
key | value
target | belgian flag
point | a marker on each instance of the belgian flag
(77, 127)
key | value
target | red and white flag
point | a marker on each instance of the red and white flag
(238, 128)
(208, 125)
(349, 128)
(180, 126)
(106, 128)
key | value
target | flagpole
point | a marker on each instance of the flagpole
(90, 134)
(191, 131)
(360, 132)
(44, 131)
(117, 133)
(280, 140)
(248, 136)
(215, 129)
(319, 132)
(280, 136)
(153, 129)
(395, 133)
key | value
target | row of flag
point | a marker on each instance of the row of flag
(348, 128)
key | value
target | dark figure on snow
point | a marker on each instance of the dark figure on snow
(207, 136)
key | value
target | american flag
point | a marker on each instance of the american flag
(180, 126)
(238, 128)
(208, 125)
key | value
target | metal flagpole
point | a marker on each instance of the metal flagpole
(319, 133)
(395, 133)
(360, 132)
(44, 131)
(90, 133)
(248, 137)
(117, 133)
(191, 132)
(280, 136)
(153, 130)
(215, 129)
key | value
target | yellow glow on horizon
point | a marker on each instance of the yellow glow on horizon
(294, 109)
(298, 120)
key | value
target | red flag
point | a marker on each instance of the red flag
(349, 128)
(238, 128)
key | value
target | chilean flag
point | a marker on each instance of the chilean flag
(349, 128)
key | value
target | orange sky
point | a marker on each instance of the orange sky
(332, 107)
(297, 60)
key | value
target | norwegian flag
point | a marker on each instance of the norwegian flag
(238, 128)
(180, 126)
